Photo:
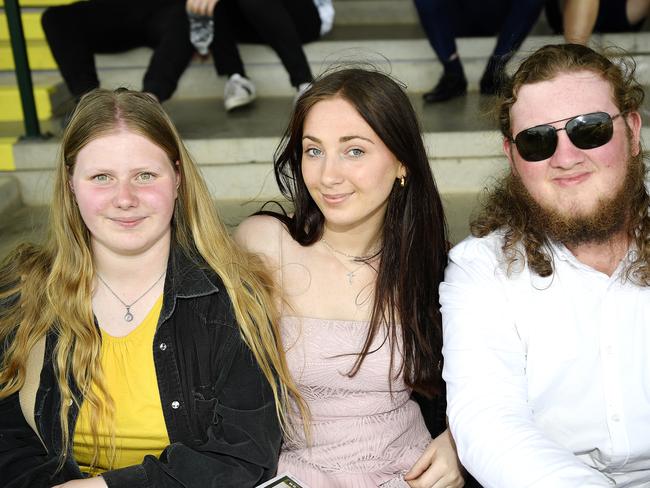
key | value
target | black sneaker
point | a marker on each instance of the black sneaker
(450, 85)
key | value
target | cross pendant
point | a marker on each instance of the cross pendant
(350, 275)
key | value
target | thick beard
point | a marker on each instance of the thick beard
(608, 218)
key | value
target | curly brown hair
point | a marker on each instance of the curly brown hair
(504, 210)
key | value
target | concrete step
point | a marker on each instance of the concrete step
(240, 168)
(39, 3)
(400, 49)
(375, 12)
(31, 24)
(38, 54)
(50, 94)
(235, 149)
(410, 60)
(10, 198)
(6, 153)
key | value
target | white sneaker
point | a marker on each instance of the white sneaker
(239, 91)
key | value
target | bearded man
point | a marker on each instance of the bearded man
(546, 308)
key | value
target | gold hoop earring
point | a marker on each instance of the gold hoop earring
(402, 181)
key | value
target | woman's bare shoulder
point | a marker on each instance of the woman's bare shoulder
(261, 234)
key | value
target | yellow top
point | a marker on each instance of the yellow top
(130, 375)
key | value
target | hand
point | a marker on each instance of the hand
(201, 7)
(438, 467)
(96, 482)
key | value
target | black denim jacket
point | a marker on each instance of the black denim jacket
(218, 407)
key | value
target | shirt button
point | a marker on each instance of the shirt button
(176, 405)
(162, 346)
(616, 418)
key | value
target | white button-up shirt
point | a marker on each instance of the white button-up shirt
(548, 379)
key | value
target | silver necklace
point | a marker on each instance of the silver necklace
(128, 316)
(350, 272)
(351, 256)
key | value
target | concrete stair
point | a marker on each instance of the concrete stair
(10, 194)
(234, 150)
(408, 57)
(384, 32)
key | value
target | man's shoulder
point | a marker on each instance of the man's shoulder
(485, 257)
(488, 247)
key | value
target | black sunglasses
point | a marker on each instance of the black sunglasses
(585, 132)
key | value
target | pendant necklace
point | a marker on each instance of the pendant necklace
(128, 316)
(350, 272)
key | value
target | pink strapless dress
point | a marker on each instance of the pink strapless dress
(363, 432)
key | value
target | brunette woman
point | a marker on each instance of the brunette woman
(358, 265)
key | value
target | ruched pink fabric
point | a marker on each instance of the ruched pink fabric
(363, 432)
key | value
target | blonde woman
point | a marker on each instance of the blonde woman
(160, 364)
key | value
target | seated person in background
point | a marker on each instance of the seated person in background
(444, 20)
(141, 331)
(577, 19)
(285, 25)
(78, 31)
(358, 265)
(546, 309)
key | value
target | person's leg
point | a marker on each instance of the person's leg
(437, 19)
(637, 11)
(168, 34)
(518, 22)
(71, 32)
(229, 23)
(285, 25)
(618, 16)
(579, 20)
(78, 31)
(554, 16)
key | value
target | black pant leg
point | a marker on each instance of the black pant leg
(285, 25)
(229, 24)
(516, 26)
(438, 20)
(78, 31)
(69, 30)
(168, 34)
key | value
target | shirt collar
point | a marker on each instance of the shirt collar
(187, 277)
(561, 252)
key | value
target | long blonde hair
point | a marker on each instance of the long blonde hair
(48, 289)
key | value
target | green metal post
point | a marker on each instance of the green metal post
(23, 73)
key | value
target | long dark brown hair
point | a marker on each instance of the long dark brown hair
(501, 211)
(414, 234)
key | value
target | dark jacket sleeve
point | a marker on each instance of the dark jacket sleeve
(24, 461)
(241, 447)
